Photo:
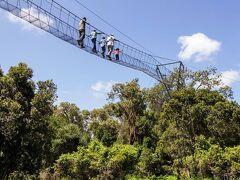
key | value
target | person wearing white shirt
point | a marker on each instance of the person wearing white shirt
(93, 35)
(110, 45)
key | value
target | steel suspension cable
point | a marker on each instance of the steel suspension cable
(109, 24)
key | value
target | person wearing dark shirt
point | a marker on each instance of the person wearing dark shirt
(117, 53)
(103, 46)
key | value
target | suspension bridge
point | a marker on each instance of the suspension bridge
(55, 19)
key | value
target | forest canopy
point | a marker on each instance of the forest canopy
(138, 134)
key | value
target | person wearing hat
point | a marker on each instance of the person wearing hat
(82, 26)
(103, 46)
(110, 45)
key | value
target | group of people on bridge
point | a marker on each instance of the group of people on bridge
(104, 42)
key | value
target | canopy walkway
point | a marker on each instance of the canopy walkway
(62, 23)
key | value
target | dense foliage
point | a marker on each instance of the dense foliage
(139, 134)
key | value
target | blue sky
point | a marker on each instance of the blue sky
(201, 33)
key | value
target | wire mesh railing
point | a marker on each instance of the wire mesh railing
(62, 23)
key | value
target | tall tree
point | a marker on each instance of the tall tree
(131, 105)
(191, 113)
(25, 135)
(71, 113)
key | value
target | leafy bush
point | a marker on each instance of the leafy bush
(98, 161)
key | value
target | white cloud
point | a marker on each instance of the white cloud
(229, 77)
(198, 47)
(26, 26)
(100, 89)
